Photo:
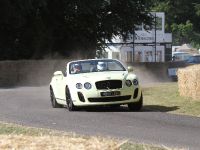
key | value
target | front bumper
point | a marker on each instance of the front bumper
(94, 97)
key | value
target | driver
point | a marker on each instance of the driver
(76, 68)
(101, 66)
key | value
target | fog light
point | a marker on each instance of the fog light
(81, 97)
(135, 95)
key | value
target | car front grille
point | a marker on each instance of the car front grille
(110, 99)
(108, 84)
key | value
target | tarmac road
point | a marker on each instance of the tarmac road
(31, 106)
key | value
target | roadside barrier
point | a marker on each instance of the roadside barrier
(189, 81)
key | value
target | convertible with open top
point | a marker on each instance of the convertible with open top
(95, 82)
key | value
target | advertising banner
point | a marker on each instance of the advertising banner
(143, 53)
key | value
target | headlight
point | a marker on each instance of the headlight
(128, 83)
(79, 86)
(87, 85)
(135, 82)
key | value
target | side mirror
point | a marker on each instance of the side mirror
(58, 73)
(130, 69)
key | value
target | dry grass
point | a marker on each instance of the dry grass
(16, 137)
(189, 81)
(24, 142)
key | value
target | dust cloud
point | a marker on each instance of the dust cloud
(40, 72)
(148, 76)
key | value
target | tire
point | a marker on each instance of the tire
(69, 101)
(54, 103)
(136, 106)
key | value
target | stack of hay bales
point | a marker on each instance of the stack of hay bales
(189, 81)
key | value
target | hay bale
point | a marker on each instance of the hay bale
(189, 81)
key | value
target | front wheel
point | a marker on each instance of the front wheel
(53, 100)
(136, 106)
(69, 101)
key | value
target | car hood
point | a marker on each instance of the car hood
(97, 76)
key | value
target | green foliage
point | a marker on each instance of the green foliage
(197, 9)
(182, 33)
(182, 19)
(194, 43)
(35, 28)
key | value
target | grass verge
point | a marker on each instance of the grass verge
(18, 137)
(165, 98)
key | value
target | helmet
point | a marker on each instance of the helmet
(77, 68)
(101, 66)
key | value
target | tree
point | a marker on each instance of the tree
(36, 28)
(182, 32)
(182, 19)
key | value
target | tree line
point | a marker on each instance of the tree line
(34, 29)
(37, 29)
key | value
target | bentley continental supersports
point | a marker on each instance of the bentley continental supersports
(95, 82)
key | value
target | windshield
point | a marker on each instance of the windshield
(194, 59)
(181, 56)
(95, 66)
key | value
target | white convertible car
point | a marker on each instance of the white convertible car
(95, 82)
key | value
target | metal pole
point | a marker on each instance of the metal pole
(155, 36)
(133, 46)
